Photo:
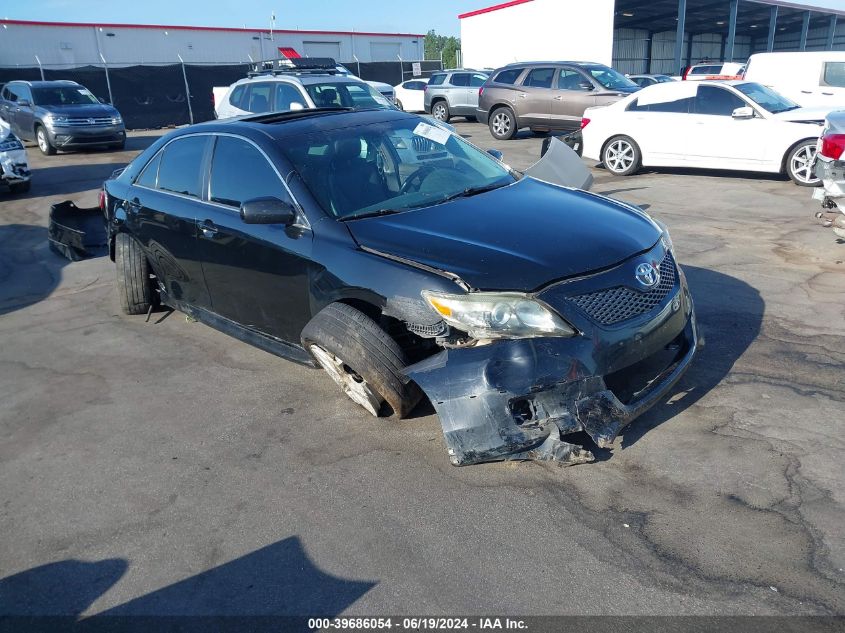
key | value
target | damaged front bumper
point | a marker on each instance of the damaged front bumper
(75, 232)
(514, 399)
(832, 193)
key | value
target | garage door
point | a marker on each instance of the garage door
(384, 51)
(322, 49)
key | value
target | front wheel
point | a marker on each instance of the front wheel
(362, 359)
(621, 156)
(398, 104)
(44, 143)
(799, 164)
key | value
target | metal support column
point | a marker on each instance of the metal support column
(40, 67)
(679, 35)
(831, 33)
(648, 53)
(729, 47)
(773, 24)
(187, 90)
(689, 49)
(805, 28)
(108, 81)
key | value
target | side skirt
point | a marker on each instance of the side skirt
(271, 344)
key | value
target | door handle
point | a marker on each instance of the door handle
(522, 95)
(829, 94)
(806, 92)
(558, 98)
(208, 229)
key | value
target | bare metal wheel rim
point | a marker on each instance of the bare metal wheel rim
(501, 123)
(347, 379)
(42, 140)
(802, 164)
(439, 112)
(619, 155)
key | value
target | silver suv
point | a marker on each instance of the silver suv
(453, 92)
(547, 96)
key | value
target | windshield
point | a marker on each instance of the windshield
(766, 97)
(346, 95)
(62, 95)
(390, 167)
(611, 79)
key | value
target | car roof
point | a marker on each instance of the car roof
(553, 62)
(45, 84)
(280, 125)
(304, 79)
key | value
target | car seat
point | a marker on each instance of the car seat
(354, 182)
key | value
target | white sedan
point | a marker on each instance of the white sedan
(737, 125)
(409, 95)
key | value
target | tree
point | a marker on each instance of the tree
(435, 45)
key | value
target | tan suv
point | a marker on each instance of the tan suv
(547, 96)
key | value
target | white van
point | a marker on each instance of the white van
(810, 79)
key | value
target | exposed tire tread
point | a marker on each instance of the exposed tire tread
(133, 275)
(354, 337)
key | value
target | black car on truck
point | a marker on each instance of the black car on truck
(406, 261)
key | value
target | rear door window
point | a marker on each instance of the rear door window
(834, 74)
(285, 95)
(240, 172)
(539, 78)
(460, 79)
(258, 97)
(150, 173)
(236, 96)
(716, 101)
(509, 76)
(180, 170)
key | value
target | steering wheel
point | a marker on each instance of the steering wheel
(424, 172)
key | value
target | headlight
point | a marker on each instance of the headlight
(486, 315)
(116, 120)
(53, 119)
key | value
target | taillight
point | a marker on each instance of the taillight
(833, 146)
(102, 201)
(213, 100)
(686, 72)
(481, 91)
(584, 122)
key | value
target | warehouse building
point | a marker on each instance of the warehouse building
(647, 36)
(55, 44)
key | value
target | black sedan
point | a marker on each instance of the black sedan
(404, 260)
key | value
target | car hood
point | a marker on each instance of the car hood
(520, 237)
(92, 110)
(804, 114)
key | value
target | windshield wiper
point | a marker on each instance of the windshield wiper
(370, 214)
(470, 191)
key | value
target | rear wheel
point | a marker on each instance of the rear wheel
(621, 156)
(799, 164)
(43, 140)
(440, 111)
(362, 359)
(134, 285)
(398, 104)
(502, 124)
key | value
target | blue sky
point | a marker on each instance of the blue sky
(404, 16)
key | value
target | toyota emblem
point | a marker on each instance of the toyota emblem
(647, 275)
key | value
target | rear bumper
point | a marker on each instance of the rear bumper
(515, 400)
(832, 174)
(481, 115)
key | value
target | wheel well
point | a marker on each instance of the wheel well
(438, 100)
(789, 150)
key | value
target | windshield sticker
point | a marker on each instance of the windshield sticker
(432, 133)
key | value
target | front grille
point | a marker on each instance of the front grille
(620, 303)
(85, 121)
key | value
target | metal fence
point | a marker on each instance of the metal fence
(162, 95)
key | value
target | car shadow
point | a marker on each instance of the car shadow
(711, 173)
(29, 270)
(729, 314)
(254, 592)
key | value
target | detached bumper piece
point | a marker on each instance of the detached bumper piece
(76, 233)
(521, 399)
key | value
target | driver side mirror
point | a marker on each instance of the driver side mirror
(745, 112)
(267, 210)
(585, 85)
(24, 103)
(496, 154)
(102, 100)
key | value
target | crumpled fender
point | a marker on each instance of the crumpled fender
(561, 165)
